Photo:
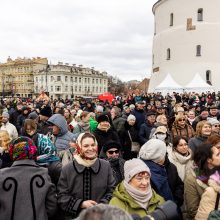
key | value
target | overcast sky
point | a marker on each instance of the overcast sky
(110, 35)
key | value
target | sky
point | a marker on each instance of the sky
(110, 35)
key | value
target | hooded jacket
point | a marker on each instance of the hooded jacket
(64, 136)
(124, 201)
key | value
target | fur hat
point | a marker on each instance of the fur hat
(111, 144)
(103, 117)
(46, 111)
(154, 150)
(133, 167)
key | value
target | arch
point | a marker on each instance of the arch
(200, 14)
(168, 54)
(198, 50)
(171, 19)
(208, 77)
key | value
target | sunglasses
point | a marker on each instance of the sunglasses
(182, 119)
(113, 151)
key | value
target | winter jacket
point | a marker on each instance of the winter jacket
(64, 137)
(118, 124)
(123, 200)
(185, 132)
(207, 203)
(26, 192)
(140, 116)
(144, 132)
(11, 129)
(195, 142)
(193, 190)
(78, 183)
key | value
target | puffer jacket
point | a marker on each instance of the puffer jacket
(64, 137)
(123, 200)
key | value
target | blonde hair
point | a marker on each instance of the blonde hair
(199, 127)
(4, 139)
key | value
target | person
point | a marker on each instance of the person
(181, 156)
(86, 181)
(112, 153)
(191, 115)
(209, 197)
(203, 116)
(181, 128)
(215, 125)
(104, 212)
(7, 126)
(206, 160)
(26, 189)
(5, 160)
(164, 179)
(129, 135)
(203, 131)
(104, 131)
(69, 118)
(21, 118)
(139, 113)
(135, 194)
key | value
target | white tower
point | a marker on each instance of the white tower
(186, 41)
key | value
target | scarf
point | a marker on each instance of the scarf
(85, 126)
(84, 162)
(199, 176)
(141, 198)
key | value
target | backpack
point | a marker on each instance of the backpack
(215, 214)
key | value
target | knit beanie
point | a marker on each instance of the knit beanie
(22, 148)
(111, 144)
(46, 111)
(131, 117)
(154, 150)
(213, 121)
(103, 117)
(133, 167)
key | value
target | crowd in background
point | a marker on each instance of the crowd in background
(60, 157)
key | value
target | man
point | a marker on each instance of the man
(139, 113)
(145, 129)
(203, 116)
(214, 112)
(7, 126)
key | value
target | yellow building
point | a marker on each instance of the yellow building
(17, 76)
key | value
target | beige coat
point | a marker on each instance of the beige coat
(207, 203)
(193, 190)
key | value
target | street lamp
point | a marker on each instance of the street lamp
(46, 71)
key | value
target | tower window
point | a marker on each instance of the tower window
(171, 19)
(208, 77)
(168, 54)
(200, 14)
(198, 50)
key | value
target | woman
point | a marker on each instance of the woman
(69, 118)
(206, 160)
(181, 128)
(46, 150)
(209, 197)
(215, 125)
(180, 155)
(129, 135)
(203, 131)
(83, 125)
(134, 194)
(5, 160)
(86, 181)
(25, 188)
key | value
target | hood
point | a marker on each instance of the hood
(60, 122)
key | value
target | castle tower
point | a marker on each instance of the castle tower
(186, 41)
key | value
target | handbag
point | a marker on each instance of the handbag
(215, 214)
(135, 146)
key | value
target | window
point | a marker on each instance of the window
(80, 79)
(208, 77)
(66, 88)
(88, 80)
(198, 50)
(57, 88)
(96, 80)
(71, 79)
(66, 78)
(93, 81)
(75, 88)
(58, 78)
(51, 78)
(168, 54)
(200, 14)
(85, 80)
(36, 79)
(51, 88)
(75, 79)
(171, 19)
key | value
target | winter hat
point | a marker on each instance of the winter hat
(161, 129)
(46, 111)
(22, 148)
(150, 113)
(154, 150)
(131, 117)
(33, 115)
(103, 117)
(99, 108)
(213, 121)
(111, 144)
(5, 114)
(132, 106)
(133, 167)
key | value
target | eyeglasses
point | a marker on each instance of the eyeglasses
(183, 119)
(113, 151)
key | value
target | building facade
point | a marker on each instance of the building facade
(186, 41)
(17, 76)
(65, 81)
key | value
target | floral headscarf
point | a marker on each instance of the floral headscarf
(22, 148)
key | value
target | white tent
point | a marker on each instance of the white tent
(168, 85)
(197, 84)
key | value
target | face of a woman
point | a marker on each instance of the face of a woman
(89, 148)
(86, 118)
(216, 128)
(131, 122)
(141, 181)
(66, 114)
(182, 121)
(206, 130)
(182, 147)
(163, 120)
(30, 130)
(215, 161)
(105, 124)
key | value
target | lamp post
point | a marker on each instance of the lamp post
(46, 71)
(3, 84)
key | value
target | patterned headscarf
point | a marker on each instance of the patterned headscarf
(22, 148)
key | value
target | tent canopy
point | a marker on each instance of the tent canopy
(168, 85)
(197, 84)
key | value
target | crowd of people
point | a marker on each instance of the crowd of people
(60, 159)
